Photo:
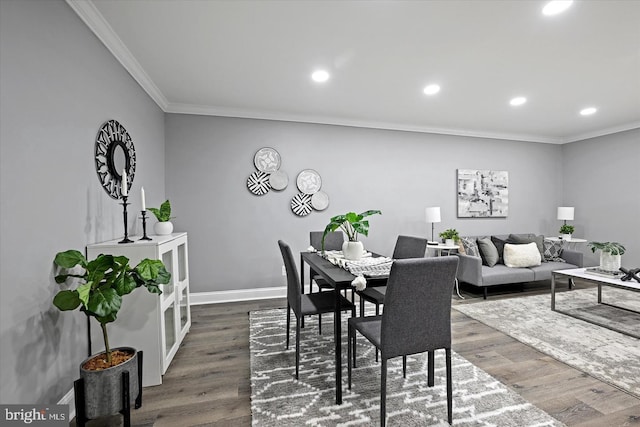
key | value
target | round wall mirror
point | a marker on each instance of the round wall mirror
(114, 153)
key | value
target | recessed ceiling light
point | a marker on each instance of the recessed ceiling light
(431, 89)
(588, 111)
(556, 6)
(320, 76)
(519, 100)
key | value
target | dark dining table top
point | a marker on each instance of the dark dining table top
(332, 273)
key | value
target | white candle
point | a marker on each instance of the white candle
(124, 189)
(144, 205)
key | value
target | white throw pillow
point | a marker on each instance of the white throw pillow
(526, 255)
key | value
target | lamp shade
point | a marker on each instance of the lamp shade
(565, 213)
(433, 214)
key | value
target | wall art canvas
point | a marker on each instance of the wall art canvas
(483, 193)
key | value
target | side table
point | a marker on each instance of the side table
(447, 249)
(571, 243)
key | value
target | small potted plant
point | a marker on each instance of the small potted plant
(610, 254)
(100, 285)
(352, 224)
(163, 215)
(450, 236)
(566, 231)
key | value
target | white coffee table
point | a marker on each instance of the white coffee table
(580, 273)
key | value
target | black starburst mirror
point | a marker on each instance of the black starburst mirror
(114, 153)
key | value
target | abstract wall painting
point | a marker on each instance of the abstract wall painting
(483, 193)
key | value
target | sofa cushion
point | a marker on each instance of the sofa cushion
(470, 246)
(501, 274)
(543, 271)
(499, 242)
(488, 251)
(525, 255)
(553, 251)
(528, 238)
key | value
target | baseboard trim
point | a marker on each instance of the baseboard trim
(217, 297)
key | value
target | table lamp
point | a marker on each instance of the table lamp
(433, 216)
(565, 213)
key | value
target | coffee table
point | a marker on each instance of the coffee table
(580, 273)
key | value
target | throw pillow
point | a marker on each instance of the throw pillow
(470, 246)
(528, 238)
(553, 251)
(488, 251)
(461, 247)
(499, 243)
(526, 255)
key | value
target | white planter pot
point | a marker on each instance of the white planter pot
(610, 262)
(163, 228)
(352, 250)
(449, 242)
(565, 236)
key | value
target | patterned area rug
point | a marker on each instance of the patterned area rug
(604, 354)
(277, 399)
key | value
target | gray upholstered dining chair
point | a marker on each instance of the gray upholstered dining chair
(406, 247)
(416, 318)
(306, 304)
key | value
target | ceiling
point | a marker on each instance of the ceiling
(255, 58)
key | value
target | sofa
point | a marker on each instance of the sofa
(480, 268)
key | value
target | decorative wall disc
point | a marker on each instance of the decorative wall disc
(114, 152)
(309, 181)
(279, 180)
(267, 160)
(320, 201)
(258, 183)
(301, 204)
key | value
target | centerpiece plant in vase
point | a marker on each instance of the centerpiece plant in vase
(99, 286)
(610, 254)
(450, 236)
(352, 224)
(164, 226)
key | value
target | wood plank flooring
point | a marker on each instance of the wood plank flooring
(208, 382)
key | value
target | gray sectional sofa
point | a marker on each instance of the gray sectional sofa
(472, 269)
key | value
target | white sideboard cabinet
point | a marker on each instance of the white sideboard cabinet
(155, 324)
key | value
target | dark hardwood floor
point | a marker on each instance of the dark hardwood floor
(208, 382)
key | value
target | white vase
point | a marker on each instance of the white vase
(565, 236)
(352, 250)
(610, 262)
(163, 228)
(449, 242)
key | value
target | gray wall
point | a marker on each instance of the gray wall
(233, 234)
(602, 181)
(58, 85)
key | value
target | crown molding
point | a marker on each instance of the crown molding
(92, 17)
(339, 121)
(602, 132)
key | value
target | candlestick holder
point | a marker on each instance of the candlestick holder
(144, 226)
(124, 215)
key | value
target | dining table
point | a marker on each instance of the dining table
(338, 278)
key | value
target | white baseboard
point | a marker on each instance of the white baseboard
(218, 297)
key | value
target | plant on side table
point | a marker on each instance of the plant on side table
(352, 224)
(610, 254)
(566, 231)
(450, 236)
(163, 215)
(100, 285)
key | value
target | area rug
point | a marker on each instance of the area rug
(609, 356)
(278, 399)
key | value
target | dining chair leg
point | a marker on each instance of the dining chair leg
(349, 355)
(320, 324)
(383, 393)
(361, 307)
(288, 322)
(297, 345)
(449, 387)
(404, 366)
(430, 368)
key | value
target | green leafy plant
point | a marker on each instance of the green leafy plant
(614, 248)
(164, 213)
(450, 233)
(351, 223)
(102, 283)
(566, 229)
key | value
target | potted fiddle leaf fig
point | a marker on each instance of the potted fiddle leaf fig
(352, 224)
(97, 289)
(610, 254)
(164, 225)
